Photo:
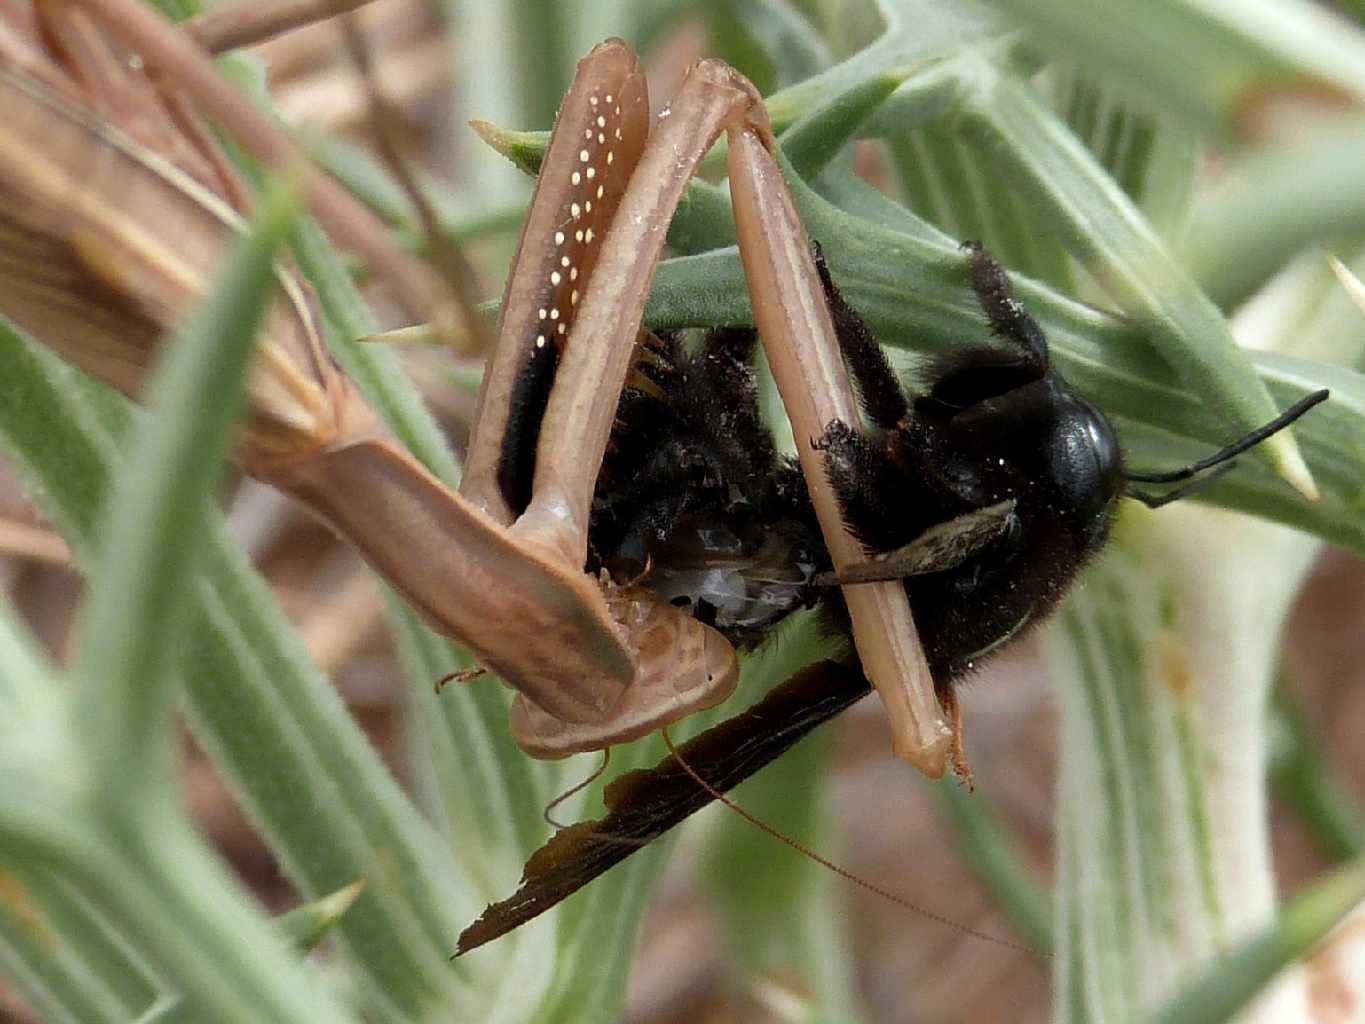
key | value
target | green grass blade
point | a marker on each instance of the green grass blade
(994, 857)
(272, 715)
(137, 609)
(191, 923)
(50, 951)
(1116, 245)
(781, 910)
(1302, 778)
(1153, 159)
(1234, 980)
(52, 982)
(814, 141)
(1270, 204)
(307, 925)
(30, 690)
(916, 32)
(304, 927)
(54, 936)
(261, 709)
(1214, 63)
(785, 37)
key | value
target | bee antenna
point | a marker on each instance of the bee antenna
(1220, 459)
(843, 873)
(1153, 500)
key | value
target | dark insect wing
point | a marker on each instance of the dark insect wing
(643, 805)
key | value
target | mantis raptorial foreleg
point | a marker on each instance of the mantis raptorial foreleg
(603, 316)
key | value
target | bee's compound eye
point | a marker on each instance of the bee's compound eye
(1085, 461)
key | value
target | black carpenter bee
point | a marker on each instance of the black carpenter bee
(694, 499)
(986, 493)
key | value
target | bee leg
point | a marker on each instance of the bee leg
(861, 471)
(463, 675)
(879, 391)
(1006, 314)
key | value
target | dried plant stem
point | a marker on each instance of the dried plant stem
(248, 22)
(352, 224)
(24, 540)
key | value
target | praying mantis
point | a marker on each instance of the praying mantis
(595, 661)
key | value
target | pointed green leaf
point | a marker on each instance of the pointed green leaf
(137, 608)
(1235, 979)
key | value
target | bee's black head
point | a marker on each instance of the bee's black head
(1084, 465)
(1045, 446)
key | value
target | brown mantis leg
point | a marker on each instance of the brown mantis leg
(579, 416)
(798, 337)
(560, 245)
(683, 665)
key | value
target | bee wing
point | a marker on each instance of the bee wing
(938, 549)
(643, 805)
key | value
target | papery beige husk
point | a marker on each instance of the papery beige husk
(108, 236)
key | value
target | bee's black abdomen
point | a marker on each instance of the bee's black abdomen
(693, 492)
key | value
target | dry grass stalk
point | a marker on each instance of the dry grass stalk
(172, 55)
(228, 26)
(33, 543)
(113, 219)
